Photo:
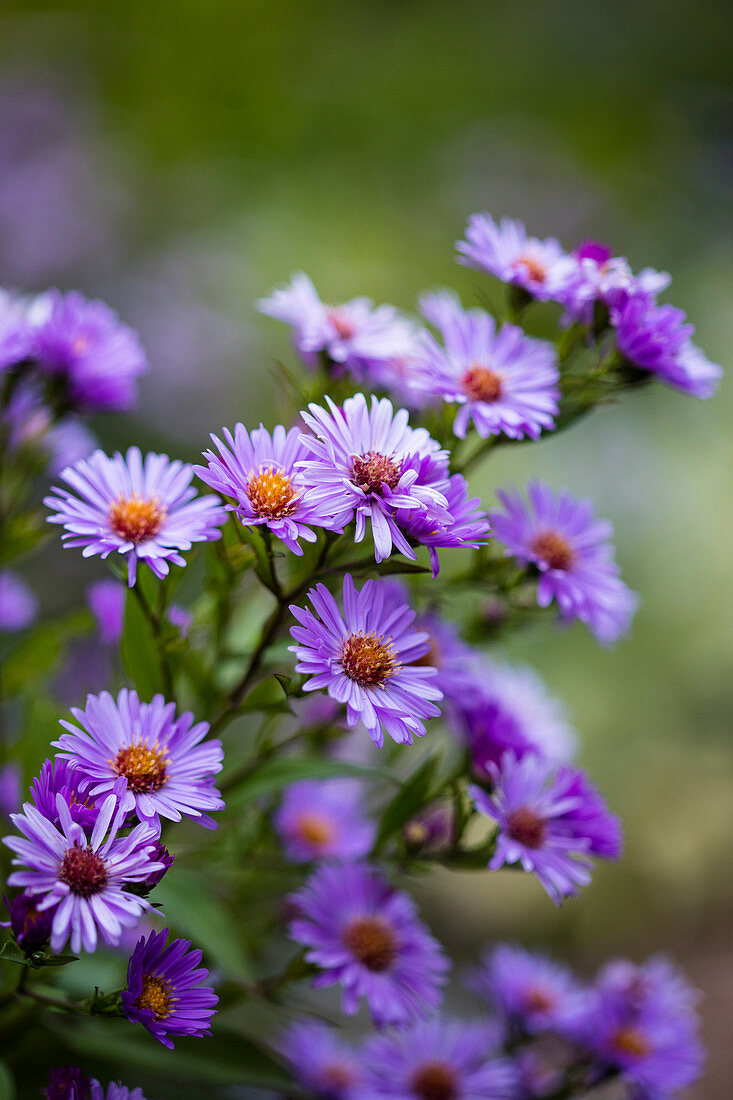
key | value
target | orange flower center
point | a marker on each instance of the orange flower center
(629, 1040)
(344, 327)
(536, 271)
(156, 996)
(315, 829)
(434, 1081)
(554, 549)
(83, 871)
(372, 942)
(482, 384)
(538, 999)
(372, 470)
(135, 518)
(338, 1077)
(368, 659)
(526, 827)
(271, 493)
(144, 767)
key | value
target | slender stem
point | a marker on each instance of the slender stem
(156, 626)
(52, 1002)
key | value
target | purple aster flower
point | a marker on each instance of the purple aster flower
(31, 927)
(364, 657)
(369, 462)
(260, 471)
(320, 1061)
(106, 601)
(28, 421)
(18, 605)
(58, 777)
(532, 993)
(467, 525)
(437, 1060)
(643, 1025)
(366, 936)
(84, 878)
(541, 268)
(144, 508)
(164, 991)
(10, 789)
(354, 336)
(160, 854)
(503, 381)
(508, 708)
(571, 549)
(431, 828)
(68, 1083)
(324, 819)
(602, 277)
(550, 820)
(167, 766)
(68, 442)
(453, 660)
(115, 1091)
(16, 336)
(657, 339)
(88, 349)
(180, 617)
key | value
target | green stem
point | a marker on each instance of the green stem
(53, 1002)
(156, 626)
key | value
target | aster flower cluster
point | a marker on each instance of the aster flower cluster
(342, 591)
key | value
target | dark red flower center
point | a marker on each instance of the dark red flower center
(135, 518)
(372, 470)
(536, 271)
(143, 766)
(369, 659)
(526, 827)
(630, 1041)
(337, 1077)
(156, 996)
(554, 549)
(271, 494)
(372, 942)
(482, 384)
(344, 327)
(537, 999)
(83, 871)
(434, 1081)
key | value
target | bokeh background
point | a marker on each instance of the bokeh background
(180, 159)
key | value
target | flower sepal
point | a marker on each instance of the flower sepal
(11, 951)
(104, 1004)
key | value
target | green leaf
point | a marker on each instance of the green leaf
(38, 959)
(269, 697)
(407, 802)
(139, 650)
(276, 774)
(13, 952)
(35, 656)
(7, 1085)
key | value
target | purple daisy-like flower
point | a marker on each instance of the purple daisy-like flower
(541, 268)
(365, 657)
(115, 1091)
(658, 339)
(68, 1083)
(83, 878)
(452, 658)
(146, 509)
(18, 604)
(466, 527)
(603, 277)
(320, 1061)
(643, 1025)
(167, 766)
(368, 462)
(164, 991)
(355, 336)
(503, 381)
(16, 334)
(508, 708)
(324, 819)
(30, 926)
(106, 601)
(261, 472)
(571, 549)
(97, 358)
(366, 936)
(550, 821)
(532, 993)
(439, 1058)
(58, 777)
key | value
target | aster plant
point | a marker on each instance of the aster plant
(326, 696)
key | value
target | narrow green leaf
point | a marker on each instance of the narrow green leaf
(7, 1085)
(139, 651)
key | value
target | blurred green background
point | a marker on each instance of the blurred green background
(179, 159)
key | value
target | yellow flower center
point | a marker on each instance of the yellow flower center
(536, 271)
(271, 493)
(368, 659)
(156, 996)
(629, 1040)
(143, 766)
(315, 829)
(135, 518)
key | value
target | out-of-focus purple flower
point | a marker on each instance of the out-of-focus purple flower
(16, 335)
(84, 345)
(146, 509)
(180, 617)
(531, 992)
(320, 1061)
(160, 854)
(11, 789)
(313, 711)
(365, 657)
(261, 472)
(68, 1083)
(438, 1058)
(28, 421)
(115, 1091)
(167, 766)
(571, 549)
(164, 991)
(541, 268)
(550, 820)
(106, 601)
(509, 708)
(366, 936)
(68, 442)
(467, 525)
(658, 339)
(369, 463)
(431, 828)
(503, 381)
(18, 605)
(355, 336)
(602, 277)
(31, 927)
(58, 777)
(83, 877)
(324, 819)
(642, 1024)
